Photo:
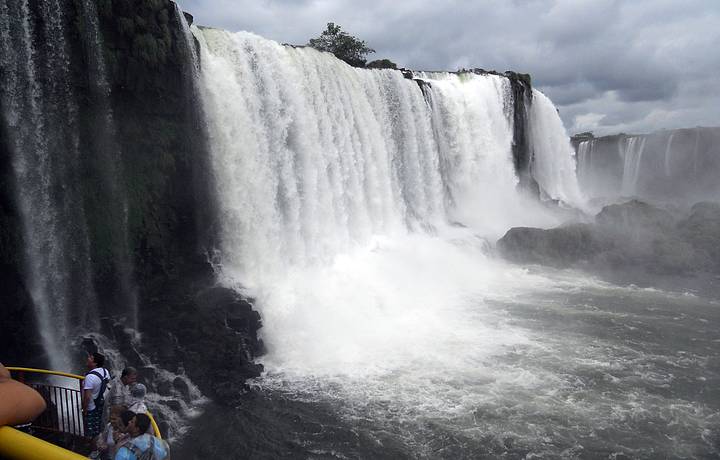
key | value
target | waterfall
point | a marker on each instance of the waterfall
(631, 153)
(554, 156)
(41, 113)
(695, 152)
(347, 197)
(584, 161)
(668, 153)
(110, 200)
(67, 167)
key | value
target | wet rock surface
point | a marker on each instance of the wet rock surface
(628, 235)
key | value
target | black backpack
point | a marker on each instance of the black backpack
(104, 380)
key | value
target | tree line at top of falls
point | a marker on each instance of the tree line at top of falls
(354, 51)
(347, 48)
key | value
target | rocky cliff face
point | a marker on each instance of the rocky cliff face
(145, 194)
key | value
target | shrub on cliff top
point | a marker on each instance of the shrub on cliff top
(342, 45)
(382, 64)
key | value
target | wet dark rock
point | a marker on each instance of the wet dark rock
(215, 337)
(702, 231)
(634, 216)
(173, 404)
(148, 375)
(181, 387)
(562, 246)
(627, 235)
(164, 388)
(164, 427)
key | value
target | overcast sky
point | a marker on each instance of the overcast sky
(610, 66)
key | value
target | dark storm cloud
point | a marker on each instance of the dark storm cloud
(609, 65)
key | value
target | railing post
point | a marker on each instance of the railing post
(81, 423)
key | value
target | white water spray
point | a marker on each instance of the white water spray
(356, 208)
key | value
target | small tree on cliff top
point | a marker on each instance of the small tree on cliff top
(342, 45)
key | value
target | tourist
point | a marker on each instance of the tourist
(112, 432)
(122, 436)
(140, 442)
(137, 399)
(119, 394)
(18, 402)
(93, 396)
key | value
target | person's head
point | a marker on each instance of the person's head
(138, 391)
(125, 417)
(95, 359)
(116, 416)
(138, 425)
(129, 376)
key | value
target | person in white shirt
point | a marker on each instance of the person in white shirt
(93, 398)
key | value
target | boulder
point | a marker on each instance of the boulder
(701, 230)
(561, 246)
(627, 235)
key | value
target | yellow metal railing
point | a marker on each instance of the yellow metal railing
(21, 374)
(45, 371)
(16, 445)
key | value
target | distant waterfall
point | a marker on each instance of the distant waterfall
(668, 154)
(632, 151)
(41, 113)
(678, 166)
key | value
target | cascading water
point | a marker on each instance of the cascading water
(41, 113)
(584, 161)
(356, 208)
(668, 154)
(67, 171)
(632, 156)
(112, 198)
(554, 163)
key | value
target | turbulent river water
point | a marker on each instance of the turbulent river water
(568, 366)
